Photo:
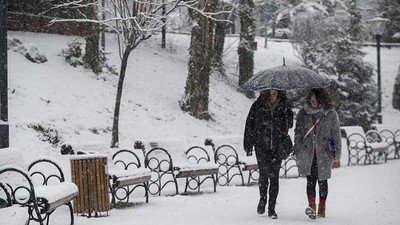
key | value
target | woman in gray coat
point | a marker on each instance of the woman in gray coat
(317, 146)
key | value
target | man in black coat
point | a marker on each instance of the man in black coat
(269, 120)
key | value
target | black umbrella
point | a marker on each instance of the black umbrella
(286, 78)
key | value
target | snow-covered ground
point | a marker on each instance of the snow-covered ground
(79, 105)
(357, 195)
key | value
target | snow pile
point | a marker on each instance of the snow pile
(13, 157)
(14, 215)
(87, 147)
(31, 52)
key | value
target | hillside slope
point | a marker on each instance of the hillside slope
(79, 104)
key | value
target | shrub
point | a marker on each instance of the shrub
(73, 53)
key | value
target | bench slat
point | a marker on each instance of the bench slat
(134, 181)
(62, 201)
(196, 173)
(250, 167)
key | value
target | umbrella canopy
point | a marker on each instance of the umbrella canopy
(286, 78)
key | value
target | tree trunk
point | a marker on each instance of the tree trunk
(92, 56)
(219, 41)
(92, 51)
(396, 91)
(115, 129)
(195, 99)
(245, 49)
(273, 26)
(103, 30)
(163, 29)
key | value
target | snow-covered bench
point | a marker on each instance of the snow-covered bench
(40, 198)
(11, 214)
(168, 160)
(231, 162)
(127, 174)
(368, 146)
(390, 135)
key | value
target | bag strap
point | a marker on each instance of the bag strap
(309, 131)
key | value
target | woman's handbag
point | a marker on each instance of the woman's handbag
(336, 163)
(286, 146)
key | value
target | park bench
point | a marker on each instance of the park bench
(127, 174)
(233, 162)
(229, 163)
(40, 198)
(368, 146)
(168, 161)
(391, 136)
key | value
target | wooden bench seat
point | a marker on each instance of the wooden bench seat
(56, 195)
(196, 170)
(127, 178)
(249, 163)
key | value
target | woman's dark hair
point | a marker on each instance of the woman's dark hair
(266, 96)
(323, 97)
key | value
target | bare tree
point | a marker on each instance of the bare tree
(273, 8)
(133, 21)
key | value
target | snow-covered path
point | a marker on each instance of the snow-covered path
(365, 195)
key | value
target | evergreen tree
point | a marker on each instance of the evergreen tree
(195, 99)
(390, 9)
(332, 47)
(245, 49)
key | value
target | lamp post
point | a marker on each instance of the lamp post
(377, 27)
(4, 131)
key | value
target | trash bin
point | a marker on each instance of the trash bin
(89, 173)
